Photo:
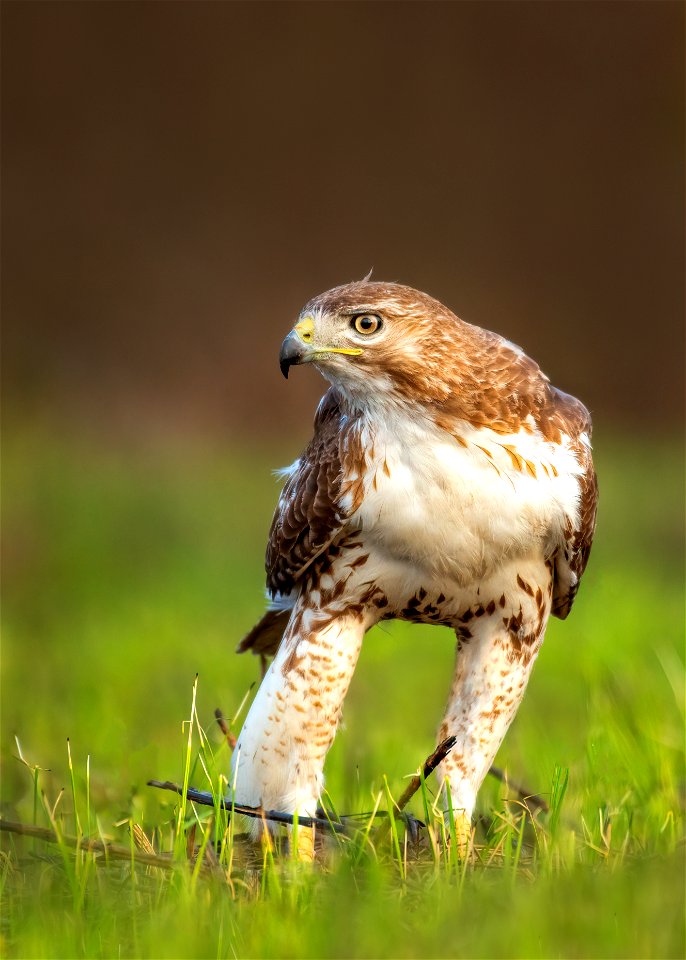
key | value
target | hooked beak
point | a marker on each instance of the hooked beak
(293, 350)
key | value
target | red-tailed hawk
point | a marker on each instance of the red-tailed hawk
(447, 482)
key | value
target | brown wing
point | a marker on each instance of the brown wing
(308, 517)
(572, 556)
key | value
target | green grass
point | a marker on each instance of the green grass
(126, 574)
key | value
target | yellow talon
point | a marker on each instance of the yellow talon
(304, 850)
(463, 832)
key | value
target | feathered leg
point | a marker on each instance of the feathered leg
(279, 757)
(498, 641)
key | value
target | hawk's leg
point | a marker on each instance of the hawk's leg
(496, 649)
(292, 721)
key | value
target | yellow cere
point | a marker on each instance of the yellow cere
(305, 329)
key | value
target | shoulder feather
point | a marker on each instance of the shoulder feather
(308, 516)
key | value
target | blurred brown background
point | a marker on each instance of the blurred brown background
(178, 178)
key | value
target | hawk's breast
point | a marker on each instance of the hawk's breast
(458, 505)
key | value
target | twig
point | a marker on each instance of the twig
(531, 799)
(230, 738)
(206, 798)
(87, 845)
(430, 764)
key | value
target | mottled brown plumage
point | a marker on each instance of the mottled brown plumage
(447, 482)
(309, 512)
(470, 376)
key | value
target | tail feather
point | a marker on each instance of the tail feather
(265, 636)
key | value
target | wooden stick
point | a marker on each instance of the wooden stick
(206, 798)
(430, 764)
(89, 845)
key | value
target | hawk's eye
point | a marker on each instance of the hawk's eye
(366, 323)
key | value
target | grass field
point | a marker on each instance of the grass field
(126, 574)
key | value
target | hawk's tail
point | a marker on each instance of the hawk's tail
(265, 636)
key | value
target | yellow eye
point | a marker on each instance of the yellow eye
(366, 323)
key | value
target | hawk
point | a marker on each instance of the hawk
(446, 482)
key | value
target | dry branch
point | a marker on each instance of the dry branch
(430, 764)
(275, 816)
(88, 845)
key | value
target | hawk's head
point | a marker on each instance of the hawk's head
(378, 337)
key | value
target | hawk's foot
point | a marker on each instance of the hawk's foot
(460, 831)
(303, 843)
